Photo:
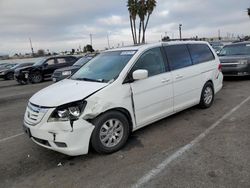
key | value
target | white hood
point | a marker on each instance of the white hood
(65, 91)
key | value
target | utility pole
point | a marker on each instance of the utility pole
(90, 35)
(180, 25)
(108, 41)
(32, 50)
(219, 35)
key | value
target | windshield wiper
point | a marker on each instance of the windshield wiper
(90, 80)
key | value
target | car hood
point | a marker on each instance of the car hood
(64, 92)
(67, 69)
(233, 59)
(3, 70)
(23, 68)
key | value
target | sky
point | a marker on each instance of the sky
(59, 25)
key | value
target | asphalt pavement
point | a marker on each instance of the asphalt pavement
(194, 148)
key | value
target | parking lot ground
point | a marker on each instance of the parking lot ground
(220, 159)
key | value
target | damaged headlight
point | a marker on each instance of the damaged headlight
(70, 111)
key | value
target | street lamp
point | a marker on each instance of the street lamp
(180, 25)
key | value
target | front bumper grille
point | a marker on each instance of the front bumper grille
(34, 114)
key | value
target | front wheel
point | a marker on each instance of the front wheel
(111, 132)
(36, 77)
(207, 95)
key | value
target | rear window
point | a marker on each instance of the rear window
(200, 53)
(178, 56)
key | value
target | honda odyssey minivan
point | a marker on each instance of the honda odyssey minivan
(120, 91)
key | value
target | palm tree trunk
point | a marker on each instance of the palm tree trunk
(143, 32)
(132, 30)
(145, 28)
(139, 39)
(135, 31)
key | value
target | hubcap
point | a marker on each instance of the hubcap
(208, 95)
(37, 78)
(111, 133)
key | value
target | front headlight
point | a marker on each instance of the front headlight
(66, 73)
(2, 73)
(68, 111)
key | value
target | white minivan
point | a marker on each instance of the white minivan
(120, 91)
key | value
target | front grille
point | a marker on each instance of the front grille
(41, 141)
(34, 114)
(229, 65)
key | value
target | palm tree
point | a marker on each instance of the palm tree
(142, 11)
(150, 5)
(133, 9)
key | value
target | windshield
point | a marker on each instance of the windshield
(8, 66)
(40, 62)
(105, 67)
(82, 61)
(242, 49)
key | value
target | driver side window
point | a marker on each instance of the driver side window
(152, 61)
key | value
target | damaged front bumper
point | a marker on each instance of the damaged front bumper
(60, 137)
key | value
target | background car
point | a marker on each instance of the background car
(217, 46)
(8, 74)
(43, 69)
(5, 68)
(235, 59)
(63, 73)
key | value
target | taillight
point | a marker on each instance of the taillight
(219, 67)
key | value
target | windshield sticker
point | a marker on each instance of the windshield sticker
(128, 53)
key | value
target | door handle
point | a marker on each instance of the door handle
(179, 77)
(165, 80)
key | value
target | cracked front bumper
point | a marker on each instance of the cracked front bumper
(60, 137)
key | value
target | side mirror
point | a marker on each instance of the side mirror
(140, 74)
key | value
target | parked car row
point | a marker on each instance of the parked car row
(7, 71)
(119, 91)
(42, 69)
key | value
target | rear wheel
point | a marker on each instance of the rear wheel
(111, 132)
(207, 95)
(9, 76)
(36, 77)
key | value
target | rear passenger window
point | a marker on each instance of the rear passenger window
(178, 56)
(152, 61)
(200, 53)
(61, 60)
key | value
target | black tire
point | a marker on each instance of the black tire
(103, 120)
(9, 76)
(207, 95)
(22, 82)
(35, 77)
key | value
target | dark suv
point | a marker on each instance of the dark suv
(43, 69)
(235, 59)
(63, 73)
